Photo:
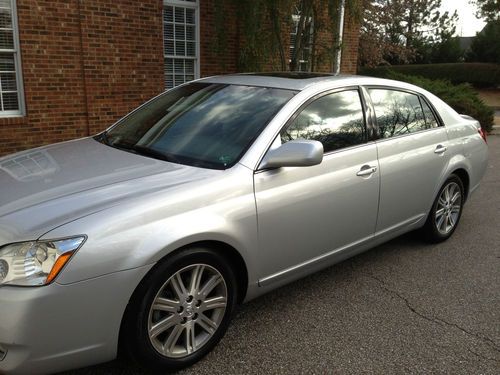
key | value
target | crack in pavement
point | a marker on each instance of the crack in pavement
(482, 356)
(486, 340)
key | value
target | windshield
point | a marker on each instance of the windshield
(200, 124)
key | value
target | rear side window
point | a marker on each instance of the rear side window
(400, 113)
(336, 120)
(430, 118)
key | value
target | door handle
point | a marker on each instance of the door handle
(440, 149)
(366, 170)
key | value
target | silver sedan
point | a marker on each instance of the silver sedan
(146, 236)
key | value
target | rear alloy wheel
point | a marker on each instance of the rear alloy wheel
(446, 211)
(180, 311)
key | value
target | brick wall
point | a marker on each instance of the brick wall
(87, 63)
(54, 95)
(123, 56)
(350, 42)
(214, 57)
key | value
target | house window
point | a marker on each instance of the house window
(181, 41)
(302, 60)
(10, 67)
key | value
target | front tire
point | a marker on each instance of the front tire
(180, 311)
(446, 211)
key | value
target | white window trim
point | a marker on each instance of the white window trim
(18, 66)
(196, 6)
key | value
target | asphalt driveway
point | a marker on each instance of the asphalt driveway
(403, 307)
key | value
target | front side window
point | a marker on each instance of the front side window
(200, 124)
(180, 41)
(10, 70)
(400, 113)
(336, 120)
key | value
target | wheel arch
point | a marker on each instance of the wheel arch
(465, 178)
(459, 166)
(233, 256)
(235, 259)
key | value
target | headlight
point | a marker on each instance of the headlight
(37, 262)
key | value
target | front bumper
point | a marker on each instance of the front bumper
(59, 327)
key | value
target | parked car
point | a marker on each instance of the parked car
(146, 236)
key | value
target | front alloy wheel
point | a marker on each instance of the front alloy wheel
(187, 311)
(180, 310)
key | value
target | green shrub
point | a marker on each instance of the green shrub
(462, 98)
(477, 74)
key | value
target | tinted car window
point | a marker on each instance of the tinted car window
(430, 118)
(336, 120)
(201, 124)
(398, 113)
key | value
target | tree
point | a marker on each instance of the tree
(486, 44)
(304, 11)
(380, 41)
(402, 31)
(487, 9)
(447, 50)
(266, 27)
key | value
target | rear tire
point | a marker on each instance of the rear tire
(446, 211)
(180, 310)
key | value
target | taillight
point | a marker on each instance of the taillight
(482, 133)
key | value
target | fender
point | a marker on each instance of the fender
(133, 234)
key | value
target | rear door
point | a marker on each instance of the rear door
(412, 153)
(306, 214)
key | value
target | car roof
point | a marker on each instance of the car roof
(284, 80)
(300, 81)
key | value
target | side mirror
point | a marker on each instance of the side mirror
(298, 153)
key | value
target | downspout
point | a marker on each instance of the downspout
(338, 53)
(82, 68)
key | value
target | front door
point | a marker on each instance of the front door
(308, 214)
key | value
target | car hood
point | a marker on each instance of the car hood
(46, 187)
